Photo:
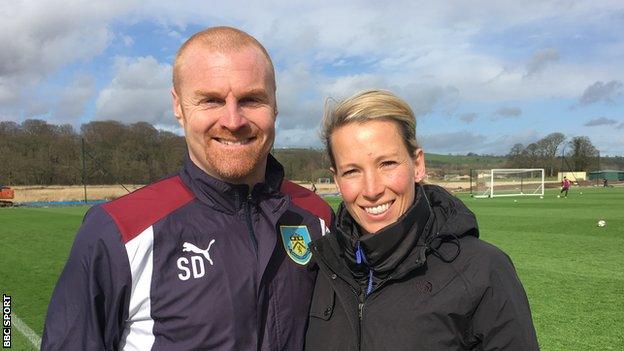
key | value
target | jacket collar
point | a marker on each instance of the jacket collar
(434, 217)
(385, 250)
(227, 197)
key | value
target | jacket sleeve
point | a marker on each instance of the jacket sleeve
(90, 301)
(502, 319)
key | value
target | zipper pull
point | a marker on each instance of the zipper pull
(360, 307)
(358, 253)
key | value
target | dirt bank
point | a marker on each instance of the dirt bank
(109, 192)
(69, 193)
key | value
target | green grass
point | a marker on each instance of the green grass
(572, 270)
(35, 245)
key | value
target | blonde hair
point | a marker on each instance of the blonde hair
(367, 106)
(220, 39)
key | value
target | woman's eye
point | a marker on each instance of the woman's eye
(388, 163)
(348, 172)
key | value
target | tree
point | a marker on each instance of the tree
(583, 154)
(548, 147)
(515, 157)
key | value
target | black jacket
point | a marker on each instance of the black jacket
(434, 285)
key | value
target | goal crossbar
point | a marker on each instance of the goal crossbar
(499, 182)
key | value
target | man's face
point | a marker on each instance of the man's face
(226, 104)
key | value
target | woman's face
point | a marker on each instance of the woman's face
(374, 172)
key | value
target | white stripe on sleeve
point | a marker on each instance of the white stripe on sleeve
(138, 332)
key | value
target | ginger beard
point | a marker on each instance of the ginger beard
(236, 165)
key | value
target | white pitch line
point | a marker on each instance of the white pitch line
(26, 331)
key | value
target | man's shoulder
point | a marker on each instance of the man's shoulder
(138, 210)
(307, 200)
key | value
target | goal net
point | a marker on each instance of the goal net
(507, 182)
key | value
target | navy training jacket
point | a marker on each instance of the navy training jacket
(191, 263)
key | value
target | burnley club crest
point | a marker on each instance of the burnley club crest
(296, 241)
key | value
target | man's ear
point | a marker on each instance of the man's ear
(177, 107)
(419, 165)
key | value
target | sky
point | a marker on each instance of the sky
(480, 75)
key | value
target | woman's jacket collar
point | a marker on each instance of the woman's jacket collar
(435, 217)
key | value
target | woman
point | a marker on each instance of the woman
(404, 269)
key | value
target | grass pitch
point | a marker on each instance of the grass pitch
(572, 270)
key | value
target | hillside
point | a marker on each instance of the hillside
(311, 164)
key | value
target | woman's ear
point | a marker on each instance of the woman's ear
(419, 165)
(333, 171)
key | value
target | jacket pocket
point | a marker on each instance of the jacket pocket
(323, 299)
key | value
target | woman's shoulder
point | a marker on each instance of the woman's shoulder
(475, 251)
(482, 262)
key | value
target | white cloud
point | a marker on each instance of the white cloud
(138, 92)
(73, 100)
(127, 40)
(439, 56)
(39, 38)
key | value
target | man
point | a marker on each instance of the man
(565, 186)
(213, 258)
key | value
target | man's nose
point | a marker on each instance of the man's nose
(233, 119)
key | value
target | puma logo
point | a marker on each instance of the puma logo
(186, 247)
(195, 266)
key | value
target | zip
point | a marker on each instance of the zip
(250, 229)
(361, 299)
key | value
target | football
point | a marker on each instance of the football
(602, 223)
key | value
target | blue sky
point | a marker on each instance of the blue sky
(480, 75)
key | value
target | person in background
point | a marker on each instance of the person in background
(215, 257)
(405, 268)
(565, 186)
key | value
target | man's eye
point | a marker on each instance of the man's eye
(211, 101)
(348, 172)
(250, 101)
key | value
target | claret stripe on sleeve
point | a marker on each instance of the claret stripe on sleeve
(135, 212)
(308, 200)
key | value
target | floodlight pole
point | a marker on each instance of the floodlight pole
(471, 181)
(562, 158)
(599, 171)
(84, 170)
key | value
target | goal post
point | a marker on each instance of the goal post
(499, 182)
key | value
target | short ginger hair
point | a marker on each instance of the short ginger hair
(224, 40)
